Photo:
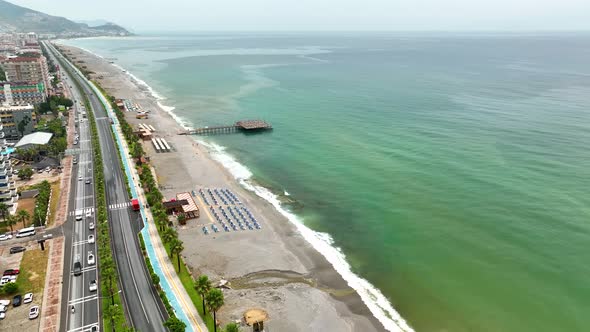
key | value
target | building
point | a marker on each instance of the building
(35, 139)
(17, 120)
(8, 194)
(22, 93)
(30, 67)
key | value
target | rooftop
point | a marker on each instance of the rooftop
(37, 138)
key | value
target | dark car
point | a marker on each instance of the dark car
(77, 268)
(14, 250)
(11, 272)
(17, 300)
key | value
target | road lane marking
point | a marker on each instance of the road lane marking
(83, 299)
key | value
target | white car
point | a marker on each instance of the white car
(92, 286)
(34, 312)
(28, 298)
(90, 238)
(2, 315)
(91, 226)
(4, 303)
(80, 178)
(88, 214)
(91, 260)
(4, 237)
(6, 279)
(3, 308)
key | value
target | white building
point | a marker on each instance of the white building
(8, 194)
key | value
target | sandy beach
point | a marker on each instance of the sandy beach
(274, 268)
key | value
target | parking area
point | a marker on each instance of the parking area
(32, 265)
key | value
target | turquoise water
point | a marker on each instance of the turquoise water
(452, 171)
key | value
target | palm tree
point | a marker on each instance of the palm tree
(24, 216)
(176, 248)
(203, 286)
(3, 211)
(215, 302)
(11, 220)
(169, 235)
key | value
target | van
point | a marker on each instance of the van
(77, 268)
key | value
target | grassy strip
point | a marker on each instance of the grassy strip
(111, 303)
(55, 189)
(33, 268)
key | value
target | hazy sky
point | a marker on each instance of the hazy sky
(295, 15)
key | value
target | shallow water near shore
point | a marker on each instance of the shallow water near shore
(452, 171)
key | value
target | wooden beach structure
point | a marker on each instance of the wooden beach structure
(243, 126)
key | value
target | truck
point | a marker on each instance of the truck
(135, 204)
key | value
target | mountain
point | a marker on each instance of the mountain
(15, 18)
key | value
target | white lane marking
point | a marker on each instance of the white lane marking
(83, 299)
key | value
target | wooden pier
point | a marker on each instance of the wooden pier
(243, 126)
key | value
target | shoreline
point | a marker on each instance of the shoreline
(295, 269)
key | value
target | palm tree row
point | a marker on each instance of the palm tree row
(211, 297)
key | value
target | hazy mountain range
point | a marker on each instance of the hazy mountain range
(15, 18)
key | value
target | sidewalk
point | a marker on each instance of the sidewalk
(169, 281)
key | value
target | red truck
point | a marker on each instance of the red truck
(135, 204)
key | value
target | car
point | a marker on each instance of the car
(5, 236)
(34, 312)
(88, 214)
(80, 178)
(77, 268)
(5, 303)
(91, 226)
(91, 260)
(11, 272)
(48, 236)
(28, 298)
(3, 308)
(18, 249)
(17, 300)
(94, 328)
(90, 238)
(92, 286)
(2, 315)
(75, 142)
(48, 169)
(75, 161)
(87, 181)
(6, 279)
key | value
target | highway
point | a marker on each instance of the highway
(143, 307)
(75, 290)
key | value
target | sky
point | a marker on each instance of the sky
(329, 15)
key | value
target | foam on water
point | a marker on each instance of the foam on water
(322, 242)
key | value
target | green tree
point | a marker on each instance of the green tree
(24, 216)
(169, 235)
(109, 273)
(176, 247)
(113, 313)
(203, 286)
(175, 325)
(10, 220)
(25, 173)
(3, 211)
(215, 302)
(10, 288)
(22, 124)
(181, 218)
(232, 327)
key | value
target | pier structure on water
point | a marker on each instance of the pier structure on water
(244, 126)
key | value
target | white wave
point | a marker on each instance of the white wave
(322, 242)
(286, 193)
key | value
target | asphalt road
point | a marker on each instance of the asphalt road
(77, 246)
(142, 305)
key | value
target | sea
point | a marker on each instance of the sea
(445, 176)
